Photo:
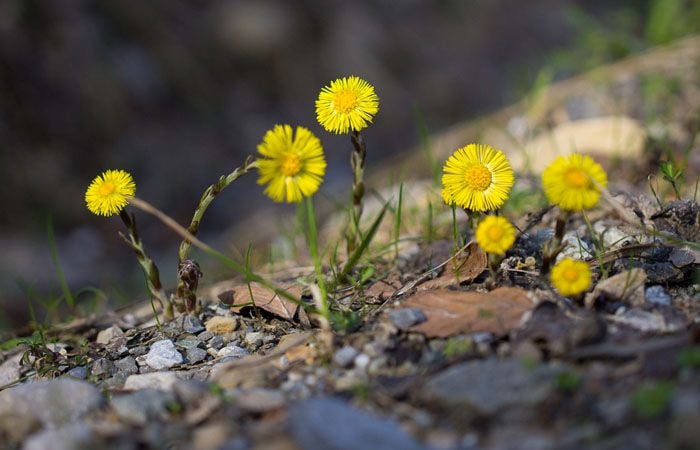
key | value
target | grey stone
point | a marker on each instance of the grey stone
(574, 247)
(259, 400)
(345, 356)
(79, 373)
(405, 318)
(153, 380)
(204, 336)
(10, 370)
(143, 406)
(191, 324)
(648, 321)
(163, 355)
(232, 350)
(186, 344)
(52, 403)
(105, 336)
(331, 424)
(138, 351)
(489, 387)
(191, 391)
(657, 295)
(217, 342)
(102, 367)
(254, 338)
(195, 355)
(127, 365)
(70, 437)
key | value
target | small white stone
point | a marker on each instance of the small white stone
(105, 336)
(163, 355)
(154, 380)
(232, 350)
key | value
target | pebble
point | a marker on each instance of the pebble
(52, 403)
(222, 325)
(657, 295)
(362, 361)
(345, 356)
(191, 324)
(259, 400)
(232, 351)
(163, 355)
(195, 355)
(79, 373)
(142, 406)
(10, 369)
(405, 318)
(186, 344)
(329, 423)
(204, 336)
(217, 342)
(106, 335)
(254, 338)
(102, 367)
(69, 437)
(574, 247)
(154, 380)
(138, 351)
(127, 365)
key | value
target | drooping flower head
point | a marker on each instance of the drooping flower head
(110, 192)
(573, 182)
(477, 177)
(348, 104)
(571, 277)
(495, 234)
(292, 163)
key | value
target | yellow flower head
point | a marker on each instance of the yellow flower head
(495, 234)
(573, 182)
(347, 104)
(570, 277)
(109, 193)
(292, 165)
(477, 177)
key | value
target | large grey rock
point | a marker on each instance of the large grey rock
(163, 355)
(154, 380)
(70, 437)
(142, 406)
(489, 387)
(52, 403)
(325, 423)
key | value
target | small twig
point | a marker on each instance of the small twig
(399, 292)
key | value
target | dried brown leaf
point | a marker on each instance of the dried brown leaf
(454, 312)
(266, 299)
(464, 268)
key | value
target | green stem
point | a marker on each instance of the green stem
(357, 162)
(312, 242)
(149, 267)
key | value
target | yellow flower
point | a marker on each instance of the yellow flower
(347, 104)
(495, 234)
(109, 193)
(292, 165)
(477, 177)
(573, 182)
(570, 277)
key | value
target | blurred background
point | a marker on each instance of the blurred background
(179, 92)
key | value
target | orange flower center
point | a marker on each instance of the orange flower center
(345, 101)
(291, 165)
(107, 188)
(495, 233)
(478, 177)
(570, 274)
(577, 178)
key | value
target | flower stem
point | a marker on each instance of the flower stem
(312, 242)
(554, 247)
(357, 162)
(149, 267)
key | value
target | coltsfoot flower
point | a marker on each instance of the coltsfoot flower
(573, 182)
(110, 192)
(348, 104)
(292, 165)
(477, 177)
(495, 234)
(571, 277)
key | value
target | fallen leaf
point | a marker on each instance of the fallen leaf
(266, 299)
(454, 312)
(463, 268)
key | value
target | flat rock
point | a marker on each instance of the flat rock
(154, 380)
(52, 403)
(163, 355)
(142, 406)
(9, 370)
(221, 325)
(626, 287)
(331, 424)
(69, 437)
(191, 324)
(233, 351)
(105, 336)
(485, 388)
(195, 355)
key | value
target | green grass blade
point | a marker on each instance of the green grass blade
(60, 276)
(360, 250)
